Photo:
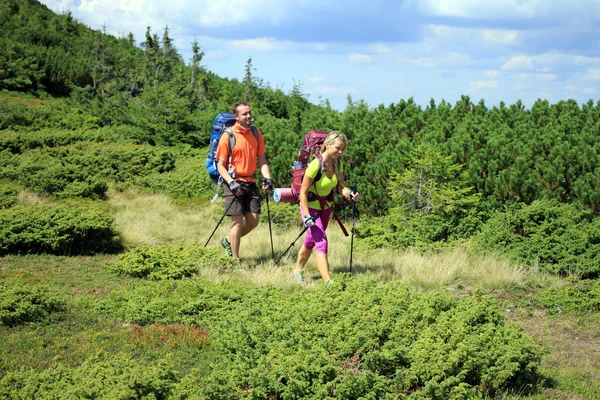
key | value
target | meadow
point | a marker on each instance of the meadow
(98, 332)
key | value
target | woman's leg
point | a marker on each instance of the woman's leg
(321, 244)
(303, 256)
(323, 266)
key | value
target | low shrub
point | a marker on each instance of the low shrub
(168, 262)
(581, 297)
(188, 179)
(21, 304)
(560, 238)
(356, 340)
(103, 376)
(57, 229)
(8, 193)
(282, 214)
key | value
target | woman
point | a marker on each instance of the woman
(316, 198)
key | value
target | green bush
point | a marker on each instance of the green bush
(582, 297)
(83, 169)
(8, 193)
(168, 262)
(560, 238)
(282, 214)
(356, 340)
(57, 229)
(100, 377)
(21, 304)
(189, 179)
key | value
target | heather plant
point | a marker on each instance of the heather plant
(168, 262)
(60, 229)
(21, 304)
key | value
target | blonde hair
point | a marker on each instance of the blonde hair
(331, 137)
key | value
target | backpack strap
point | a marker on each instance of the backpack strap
(312, 196)
(231, 145)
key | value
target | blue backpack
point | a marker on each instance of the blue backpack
(222, 123)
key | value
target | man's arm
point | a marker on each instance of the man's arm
(264, 170)
(223, 171)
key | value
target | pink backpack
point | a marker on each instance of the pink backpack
(311, 145)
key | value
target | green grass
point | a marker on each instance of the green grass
(72, 337)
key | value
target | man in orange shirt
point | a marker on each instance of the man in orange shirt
(238, 170)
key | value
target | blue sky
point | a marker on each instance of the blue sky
(380, 51)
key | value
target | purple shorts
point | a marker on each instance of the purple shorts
(315, 235)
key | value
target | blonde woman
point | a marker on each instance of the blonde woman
(320, 180)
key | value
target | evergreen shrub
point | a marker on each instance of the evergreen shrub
(559, 238)
(21, 304)
(57, 229)
(102, 376)
(359, 339)
(168, 262)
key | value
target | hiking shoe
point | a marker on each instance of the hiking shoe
(238, 265)
(298, 275)
(329, 284)
(226, 246)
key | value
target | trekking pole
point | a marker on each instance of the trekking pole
(219, 223)
(352, 237)
(314, 217)
(270, 231)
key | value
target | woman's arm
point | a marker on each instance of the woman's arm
(307, 182)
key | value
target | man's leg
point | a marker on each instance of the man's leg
(235, 234)
(251, 222)
(243, 224)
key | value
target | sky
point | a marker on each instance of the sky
(379, 51)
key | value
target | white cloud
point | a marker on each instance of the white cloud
(497, 8)
(316, 79)
(448, 59)
(357, 58)
(215, 55)
(380, 48)
(586, 60)
(593, 74)
(575, 89)
(259, 44)
(519, 62)
(500, 36)
(522, 76)
(420, 62)
(520, 86)
(478, 85)
(331, 90)
(491, 74)
(546, 77)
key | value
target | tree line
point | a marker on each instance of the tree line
(445, 160)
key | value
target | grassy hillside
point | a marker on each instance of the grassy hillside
(482, 285)
(256, 333)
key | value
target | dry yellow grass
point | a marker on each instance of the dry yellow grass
(28, 198)
(155, 219)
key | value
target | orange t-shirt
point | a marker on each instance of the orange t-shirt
(243, 154)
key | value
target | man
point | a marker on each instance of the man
(238, 170)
